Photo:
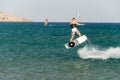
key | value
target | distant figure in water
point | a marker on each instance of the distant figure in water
(74, 29)
(46, 22)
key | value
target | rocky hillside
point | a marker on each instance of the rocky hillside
(9, 18)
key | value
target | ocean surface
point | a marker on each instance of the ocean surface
(32, 51)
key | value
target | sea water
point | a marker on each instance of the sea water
(32, 51)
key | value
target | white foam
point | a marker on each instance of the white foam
(95, 53)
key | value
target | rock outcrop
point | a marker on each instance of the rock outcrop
(9, 18)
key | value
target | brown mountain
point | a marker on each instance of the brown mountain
(9, 18)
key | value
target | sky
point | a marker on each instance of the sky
(63, 10)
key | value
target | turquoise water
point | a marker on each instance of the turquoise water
(32, 51)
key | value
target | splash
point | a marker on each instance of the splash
(95, 53)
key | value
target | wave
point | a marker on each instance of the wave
(52, 25)
(95, 53)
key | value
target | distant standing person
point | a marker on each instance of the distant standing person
(74, 30)
(46, 22)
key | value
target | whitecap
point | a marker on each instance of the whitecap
(96, 53)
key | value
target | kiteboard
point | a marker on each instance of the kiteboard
(76, 42)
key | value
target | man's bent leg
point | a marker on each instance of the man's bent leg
(72, 36)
